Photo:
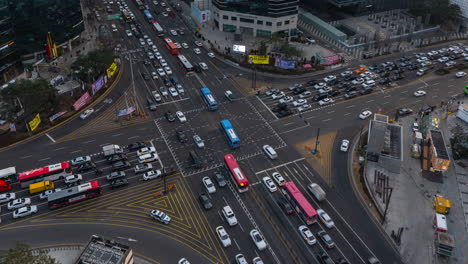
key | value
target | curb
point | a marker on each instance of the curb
(71, 118)
(363, 203)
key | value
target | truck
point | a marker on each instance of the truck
(41, 186)
(112, 149)
(229, 95)
(9, 174)
(441, 204)
(317, 191)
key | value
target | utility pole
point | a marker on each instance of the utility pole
(133, 83)
(314, 151)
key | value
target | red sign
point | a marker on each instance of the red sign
(84, 100)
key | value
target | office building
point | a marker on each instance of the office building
(24, 27)
(257, 18)
(105, 251)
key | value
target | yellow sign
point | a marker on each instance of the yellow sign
(111, 70)
(33, 124)
(259, 59)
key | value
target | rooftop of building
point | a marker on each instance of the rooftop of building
(439, 144)
(103, 251)
(385, 138)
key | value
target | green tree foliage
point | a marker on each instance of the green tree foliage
(289, 51)
(441, 11)
(22, 254)
(34, 96)
(262, 50)
(89, 67)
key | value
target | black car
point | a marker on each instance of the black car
(365, 91)
(405, 58)
(299, 90)
(86, 167)
(136, 145)
(120, 165)
(378, 70)
(181, 137)
(352, 88)
(151, 104)
(115, 175)
(205, 201)
(323, 258)
(326, 239)
(332, 82)
(342, 261)
(118, 183)
(311, 82)
(167, 82)
(350, 95)
(117, 157)
(169, 116)
(384, 74)
(384, 81)
(283, 113)
(197, 68)
(334, 93)
(404, 111)
(286, 206)
(220, 180)
(181, 32)
(146, 62)
(145, 76)
(319, 97)
(174, 80)
(397, 77)
(398, 70)
(279, 107)
(344, 85)
(350, 78)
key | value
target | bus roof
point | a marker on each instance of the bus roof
(7, 172)
(226, 124)
(235, 169)
(43, 170)
(305, 205)
(73, 190)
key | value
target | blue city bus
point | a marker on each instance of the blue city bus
(209, 99)
(148, 16)
(230, 133)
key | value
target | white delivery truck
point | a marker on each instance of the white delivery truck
(317, 191)
(109, 150)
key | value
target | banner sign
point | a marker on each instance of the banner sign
(33, 124)
(98, 84)
(57, 115)
(287, 64)
(111, 70)
(259, 59)
(12, 127)
(329, 60)
(82, 101)
(126, 111)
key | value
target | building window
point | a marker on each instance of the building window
(225, 17)
(263, 33)
(286, 22)
(278, 24)
(259, 22)
(234, 18)
(268, 23)
(229, 28)
(246, 20)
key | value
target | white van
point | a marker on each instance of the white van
(440, 223)
(369, 83)
(270, 152)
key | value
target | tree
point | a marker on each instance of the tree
(89, 67)
(289, 51)
(441, 12)
(262, 50)
(21, 254)
(33, 96)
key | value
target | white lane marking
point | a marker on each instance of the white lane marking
(25, 157)
(281, 165)
(287, 124)
(236, 244)
(44, 159)
(51, 139)
(269, 110)
(350, 106)
(404, 91)
(133, 137)
(294, 129)
(386, 96)
(331, 112)
(347, 114)
(310, 117)
(451, 85)
(175, 101)
(325, 120)
(59, 148)
(451, 80)
(75, 151)
(434, 96)
(386, 102)
(369, 101)
(116, 135)
(89, 141)
(436, 83)
(418, 101)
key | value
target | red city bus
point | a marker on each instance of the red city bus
(300, 203)
(238, 177)
(48, 173)
(171, 46)
(74, 194)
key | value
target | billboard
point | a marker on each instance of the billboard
(98, 84)
(201, 15)
(126, 111)
(287, 64)
(82, 101)
(329, 60)
(111, 70)
(259, 59)
(238, 48)
(57, 115)
(33, 124)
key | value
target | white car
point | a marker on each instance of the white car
(326, 101)
(80, 160)
(198, 43)
(229, 215)
(210, 187)
(183, 261)
(154, 75)
(258, 239)
(159, 57)
(329, 78)
(73, 178)
(180, 88)
(146, 150)
(160, 216)
(460, 74)
(150, 55)
(162, 62)
(305, 94)
(223, 236)
(178, 45)
(25, 211)
(161, 72)
(129, 33)
(139, 168)
(165, 14)
(142, 42)
(325, 218)
(278, 178)
(278, 95)
(443, 59)
(365, 114)
(145, 36)
(270, 152)
(299, 102)
(197, 51)
(357, 81)
(148, 158)
(450, 63)
(319, 86)
(269, 184)
(185, 45)
(304, 107)
(344, 145)
(152, 174)
(198, 141)
(211, 54)
(154, 48)
(286, 99)
(163, 91)
(114, 28)
(86, 113)
(240, 259)
(257, 260)
(203, 66)
(181, 116)
(419, 93)
(307, 235)
(173, 91)
(168, 70)
(46, 194)
(17, 203)
(6, 197)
